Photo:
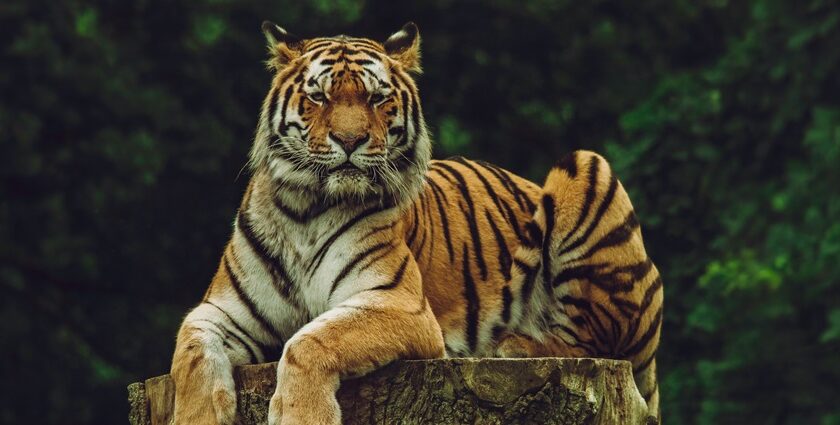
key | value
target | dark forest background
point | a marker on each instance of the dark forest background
(125, 124)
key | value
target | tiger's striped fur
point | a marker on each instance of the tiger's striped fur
(352, 249)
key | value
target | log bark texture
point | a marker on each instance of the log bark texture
(446, 391)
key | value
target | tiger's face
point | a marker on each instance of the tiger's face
(343, 116)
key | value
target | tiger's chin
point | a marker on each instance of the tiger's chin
(351, 186)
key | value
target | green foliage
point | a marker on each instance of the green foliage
(125, 125)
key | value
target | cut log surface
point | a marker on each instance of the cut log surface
(446, 391)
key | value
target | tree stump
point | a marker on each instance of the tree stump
(445, 391)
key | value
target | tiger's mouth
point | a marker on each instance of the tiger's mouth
(348, 170)
(346, 166)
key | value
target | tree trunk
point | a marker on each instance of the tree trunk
(447, 391)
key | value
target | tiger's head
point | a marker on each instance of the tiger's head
(342, 118)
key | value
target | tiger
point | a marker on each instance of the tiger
(352, 248)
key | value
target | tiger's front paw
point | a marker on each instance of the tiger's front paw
(206, 403)
(303, 411)
(304, 399)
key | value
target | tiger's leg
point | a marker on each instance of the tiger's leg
(209, 344)
(362, 333)
(645, 378)
(202, 372)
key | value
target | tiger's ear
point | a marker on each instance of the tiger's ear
(282, 45)
(404, 47)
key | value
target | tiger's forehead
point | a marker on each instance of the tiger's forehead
(342, 42)
(342, 58)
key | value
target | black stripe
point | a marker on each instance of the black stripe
(428, 215)
(473, 303)
(584, 272)
(587, 345)
(617, 236)
(272, 107)
(280, 277)
(423, 202)
(504, 252)
(238, 328)
(415, 106)
(341, 48)
(252, 356)
(625, 307)
(622, 278)
(506, 182)
(249, 304)
(375, 259)
(397, 277)
(470, 217)
(415, 225)
(503, 175)
(356, 260)
(649, 294)
(615, 279)
(228, 334)
(289, 125)
(514, 224)
(548, 211)
(587, 201)
(286, 97)
(364, 42)
(596, 219)
(646, 338)
(496, 332)
(568, 164)
(223, 336)
(377, 229)
(641, 309)
(317, 44)
(405, 159)
(438, 193)
(415, 116)
(615, 326)
(442, 174)
(591, 317)
(535, 235)
(305, 216)
(404, 98)
(301, 104)
(528, 283)
(489, 189)
(645, 363)
(319, 255)
(507, 300)
(316, 55)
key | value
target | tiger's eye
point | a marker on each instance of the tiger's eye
(317, 97)
(376, 98)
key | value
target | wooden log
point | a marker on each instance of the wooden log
(446, 391)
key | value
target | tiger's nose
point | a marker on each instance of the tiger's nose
(349, 142)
